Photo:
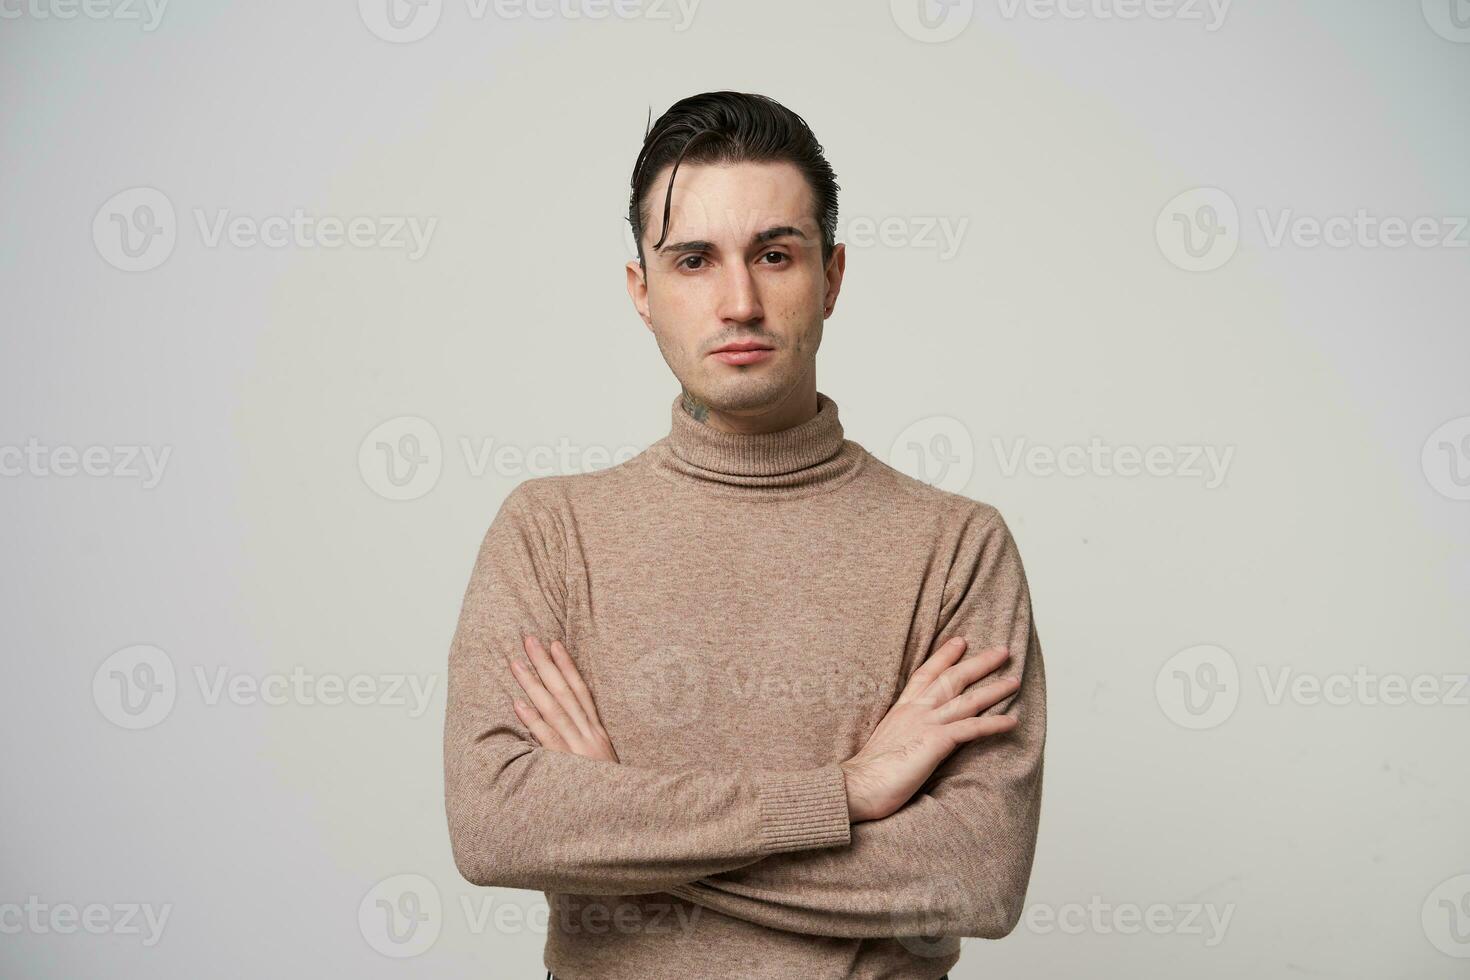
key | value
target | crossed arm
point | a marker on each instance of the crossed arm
(956, 859)
(776, 849)
(524, 816)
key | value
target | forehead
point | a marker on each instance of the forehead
(730, 202)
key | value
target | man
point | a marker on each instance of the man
(748, 737)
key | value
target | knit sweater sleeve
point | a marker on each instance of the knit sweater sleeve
(956, 859)
(523, 816)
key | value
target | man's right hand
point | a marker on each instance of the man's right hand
(930, 719)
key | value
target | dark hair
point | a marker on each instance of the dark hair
(731, 127)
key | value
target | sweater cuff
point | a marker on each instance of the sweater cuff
(806, 809)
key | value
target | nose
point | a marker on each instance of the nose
(740, 301)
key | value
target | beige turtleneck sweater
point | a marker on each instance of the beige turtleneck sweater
(744, 609)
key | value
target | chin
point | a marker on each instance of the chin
(754, 387)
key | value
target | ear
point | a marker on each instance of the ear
(836, 266)
(638, 291)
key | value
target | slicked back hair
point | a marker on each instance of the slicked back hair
(731, 127)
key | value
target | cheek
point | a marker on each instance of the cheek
(801, 292)
(678, 301)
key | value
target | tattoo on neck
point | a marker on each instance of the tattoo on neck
(697, 409)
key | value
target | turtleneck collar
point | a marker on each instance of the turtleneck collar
(808, 458)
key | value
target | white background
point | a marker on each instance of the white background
(1331, 834)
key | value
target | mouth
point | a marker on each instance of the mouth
(743, 352)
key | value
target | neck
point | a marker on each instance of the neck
(793, 409)
(811, 456)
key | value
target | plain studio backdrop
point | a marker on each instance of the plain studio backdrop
(294, 294)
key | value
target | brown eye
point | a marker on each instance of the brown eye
(779, 255)
(690, 258)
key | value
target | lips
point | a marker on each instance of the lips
(743, 352)
(742, 345)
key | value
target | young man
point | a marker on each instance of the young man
(749, 735)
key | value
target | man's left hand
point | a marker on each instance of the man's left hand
(561, 715)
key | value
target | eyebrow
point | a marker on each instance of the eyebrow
(759, 238)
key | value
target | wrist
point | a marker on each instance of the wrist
(856, 803)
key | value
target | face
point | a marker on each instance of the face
(742, 262)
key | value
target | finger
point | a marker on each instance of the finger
(552, 678)
(574, 681)
(542, 699)
(936, 664)
(969, 729)
(968, 671)
(971, 703)
(543, 733)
